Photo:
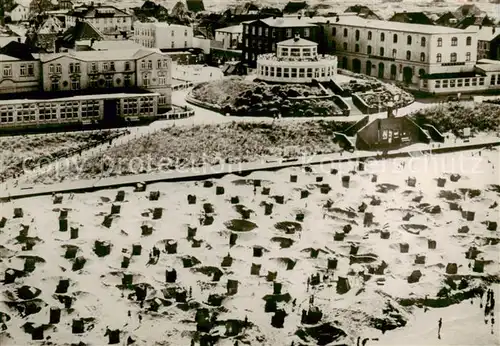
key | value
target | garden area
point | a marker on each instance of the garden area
(180, 147)
(236, 96)
(20, 153)
(454, 117)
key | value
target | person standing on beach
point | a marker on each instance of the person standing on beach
(440, 324)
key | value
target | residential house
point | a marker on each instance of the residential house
(487, 42)
(48, 33)
(231, 36)
(7, 36)
(20, 70)
(151, 9)
(363, 12)
(81, 31)
(412, 17)
(293, 7)
(449, 19)
(468, 10)
(262, 35)
(65, 4)
(478, 20)
(108, 19)
(20, 13)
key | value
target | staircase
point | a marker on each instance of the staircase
(354, 110)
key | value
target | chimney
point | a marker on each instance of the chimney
(494, 29)
(19, 39)
(296, 38)
(337, 19)
(300, 16)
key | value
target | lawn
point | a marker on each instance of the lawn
(20, 153)
(205, 145)
(454, 117)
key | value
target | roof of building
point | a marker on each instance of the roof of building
(195, 5)
(297, 42)
(4, 57)
(488, 61)
(98, 12)
(294, 6)
(486, 33)
(412, 17)
(234, 29)
(356, 21)
(489, 67)
(475, 20)
(81, 31)
(467, 10)
(159, 25)
(17, 50)
(448, 75)
(285, 22)
(103, 55)
(114, 45)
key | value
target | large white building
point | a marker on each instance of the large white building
(20, 13)
(163, 35)
(400, 51)
(296, 61)
(230, 37)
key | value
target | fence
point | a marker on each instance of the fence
(183, 113)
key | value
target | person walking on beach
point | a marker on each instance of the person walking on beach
(440, 324)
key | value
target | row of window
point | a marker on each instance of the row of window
(458, 83)
(409, 38)
(25, 70)
(289, 72)
(49, 112)
(149, 64)
(141, 106)
(265, 31)
(296, 52)
(108, 20)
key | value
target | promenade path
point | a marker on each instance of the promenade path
(242, 168)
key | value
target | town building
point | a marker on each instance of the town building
(400, 51)
(81, 31)
(20, 13)
(65, 4)
(231, 36)
(296, 61)
(363, 12)
(81, 87)
(20, 70)
(107, 19)
(488, 42)
(261, 36)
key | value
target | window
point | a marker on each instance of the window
(185, 32)
(93, 67)
(71, 68)
(109, 81)
(445, 83)
(408, 55)
(77, 67)
(381, 51)
(295, 52)
(439, 57)
(278, 72)
(356, 48)
(284, 51)
(345, 32)
(306, 32)
(127, 80)
(273, 32)
(158, 64)
(127, 66)
(454, 41)
(334, 31)
(150, 65)
(395, 38)
(288, 33)
(185, 44)
(294, 72)
(51, 68)
(31, 70)
(408, 40)
(394, 53)
(7, 70)
(105, 66)
(422, 42)
(23, 70)
(369, 50)
(54, 86)
(422, 57)
(266, 32)
(112, 66)
(467, 82)
(493, 81)
(440, 42)
(75, 84)
(286, 73)
(438, 84)
(309, 73)
(162, 80)
(301, 73)
(481, 81)
(93, 82)
(145, 80)
(459, 83)
(467, 56)
(369, 35)
(246, 29)
(345, 45)
(453, 57)
(172, 45)
(474, 81)
(357, 35)
(382, 37)
(130, 107)
(306, 52)
(260, 31)
(468, 41)
(172, 33)
(452, 83)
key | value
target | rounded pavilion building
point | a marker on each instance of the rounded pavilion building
(296, 61)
